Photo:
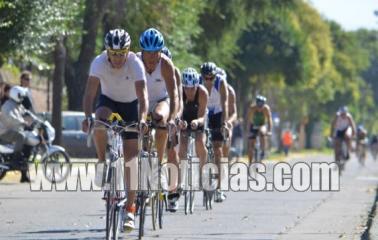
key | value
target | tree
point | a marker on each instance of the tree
(77, 70)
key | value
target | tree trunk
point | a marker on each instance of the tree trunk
(116, 17)
(77, 73)
(59, 61)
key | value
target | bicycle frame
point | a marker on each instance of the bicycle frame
(114, 194)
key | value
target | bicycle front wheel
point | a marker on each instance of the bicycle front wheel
(56, 168)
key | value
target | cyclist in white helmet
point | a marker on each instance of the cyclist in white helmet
(232, 112)
(172, 150)
(342, 127)
(217, 107)
(195, 98)
(121, 77)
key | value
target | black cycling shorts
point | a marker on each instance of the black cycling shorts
(340, 134)
(253, 132)
(215, 125)
(128, 111)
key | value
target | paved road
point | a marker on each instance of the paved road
(245, 215)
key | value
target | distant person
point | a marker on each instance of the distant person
(25, 80)
(237, 138)
(5, 95)
(287, 141)
(13, 120)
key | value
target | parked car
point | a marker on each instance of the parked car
(73, 139)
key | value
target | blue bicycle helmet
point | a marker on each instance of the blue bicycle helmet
(166, 52)
(151, 40)
(190, 77)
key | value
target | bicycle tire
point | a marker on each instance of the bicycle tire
(186, 203)
(142, 215)
(154, 211)
(108, 216)
(162, 202)
(49, 159)
(115, 222)
(191, 209)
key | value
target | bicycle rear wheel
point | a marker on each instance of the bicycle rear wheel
(162, 202)
(154, 210)
(142, 214)
(109, 215)
(191, 198)
(187, 202)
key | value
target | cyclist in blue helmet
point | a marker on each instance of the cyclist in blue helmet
(162, 92)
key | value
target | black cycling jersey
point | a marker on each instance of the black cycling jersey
(190, 108)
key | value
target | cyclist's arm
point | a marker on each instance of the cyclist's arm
(179, 90)
(352, 124)
(90, 94)
(232, 112)
(141, 92)
(333, 125)
(268, 115)
(250, 114)
(203, 98)
(224, 100)
(168, 72)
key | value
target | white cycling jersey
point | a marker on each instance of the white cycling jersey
(342, 123)
(118, 84)
(156, 87)
(214, 104)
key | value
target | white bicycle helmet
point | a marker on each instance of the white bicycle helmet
(117, 39)
(190, 77)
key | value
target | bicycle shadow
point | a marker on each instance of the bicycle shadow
(66, 232)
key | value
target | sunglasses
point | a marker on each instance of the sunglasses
(26, 79)
(209, 78)
(118, 53)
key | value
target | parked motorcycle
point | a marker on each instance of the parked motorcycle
(42, 152)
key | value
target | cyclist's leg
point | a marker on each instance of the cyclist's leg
(227, 145)
(160, 115)
(130, 151)
(173, 157)
(251, 149)
(262, 142)
(337, 148)
(129, 113)
(104, 109)
(215, 125)
(183, 145)
(217, 146)
(348, 141)
(100, 137)
(201, 151)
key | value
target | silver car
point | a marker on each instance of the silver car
(73, 139)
